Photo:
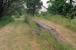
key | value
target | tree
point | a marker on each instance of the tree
(1, 8)
(33, 6)
(11, 6)
(57, 7)
(62, 8)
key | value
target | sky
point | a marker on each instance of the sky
(74, 3)
(44, 4)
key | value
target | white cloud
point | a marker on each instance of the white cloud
(44, 4)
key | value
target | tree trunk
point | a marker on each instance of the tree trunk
(70, 2)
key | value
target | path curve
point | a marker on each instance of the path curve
(63, 34)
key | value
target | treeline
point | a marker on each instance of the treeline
(60, 7)
(9, 7)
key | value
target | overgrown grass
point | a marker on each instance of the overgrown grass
(23, 39)
(48, 42)
(69, 23)
(5, 20)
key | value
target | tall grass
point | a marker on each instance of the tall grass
(69, 23)
(48, 42)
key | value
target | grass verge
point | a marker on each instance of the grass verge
(68, 23)
(48, 42)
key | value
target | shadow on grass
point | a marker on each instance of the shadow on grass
(5, 20)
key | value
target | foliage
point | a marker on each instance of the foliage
(62, 8)
(33, 6)
(68, 23)
(9, 7)
(5, 20)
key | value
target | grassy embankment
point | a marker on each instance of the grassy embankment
(68, 23)
(48, 42)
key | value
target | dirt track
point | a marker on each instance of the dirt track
(17, 36)
(62, 33)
